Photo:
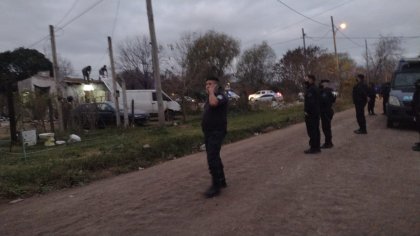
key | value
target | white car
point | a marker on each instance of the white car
(232, 95)
(277, 96)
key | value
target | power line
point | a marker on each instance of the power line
(319, 38)
(287, 41)
(67, 23)
(321, 13)
(369, 37)
(115, 18)
(81, 14)
(302, 14)
(68, 12)
(351, 40)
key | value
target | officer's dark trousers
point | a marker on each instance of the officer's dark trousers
(360, 116)
(326, 117)
(371, 106)
(213, 141)
(384, 102)
(312, 127)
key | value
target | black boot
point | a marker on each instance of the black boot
(212, 191)
(327, 145)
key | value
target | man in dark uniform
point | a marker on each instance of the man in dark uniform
(372, 99)
(327, 99)
(312, 112)
(214, 126)
(103, 72)
(360, 94)
(416, 109)
(386, 88)
(86, 73)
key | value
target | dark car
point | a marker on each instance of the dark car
(102, 114)
(401, 92)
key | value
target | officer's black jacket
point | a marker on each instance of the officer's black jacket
(311, 104)
(215, 118)
(360, 94)
(327, 99)
(372, 93)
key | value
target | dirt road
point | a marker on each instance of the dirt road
(365, 185)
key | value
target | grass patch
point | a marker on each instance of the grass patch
(104, 153)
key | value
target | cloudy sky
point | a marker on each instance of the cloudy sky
(82, 26)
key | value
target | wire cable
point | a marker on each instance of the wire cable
(279, 1)
(114, 24)
(67, 23)
(81, 14)
(68, 12)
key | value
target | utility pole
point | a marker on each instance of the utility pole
(114, 83)
(156, 70)
(304, 44)
(367, 62)
(335, 50)
(304, 53)
(124, 93)
(57, 83)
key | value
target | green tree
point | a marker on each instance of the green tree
(295, 65)
(15, 66)
(211, 53)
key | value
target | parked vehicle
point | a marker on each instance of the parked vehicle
(232, 95)
(266, 98)
(278, 96)
(102, 114)
(146, 101)
(399, 107)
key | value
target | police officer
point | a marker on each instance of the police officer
(312, 113)
(360, 97)
(416, 109)
(386, 88)
(327, 99)
(372, 99)
(214, 126)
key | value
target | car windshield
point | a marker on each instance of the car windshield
(405, 79)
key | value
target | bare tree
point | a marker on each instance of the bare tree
(135, 61)
(65, 67)
(385, 58)
(179, 52)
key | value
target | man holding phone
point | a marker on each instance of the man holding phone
(214, 126)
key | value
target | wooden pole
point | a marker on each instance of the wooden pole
(156, 70)
(125, 109)
(114, 83)
(57, 83)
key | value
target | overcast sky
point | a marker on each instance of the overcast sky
(83, 41)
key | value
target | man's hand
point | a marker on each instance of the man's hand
(212, 89)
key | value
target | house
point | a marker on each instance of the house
(79, 89)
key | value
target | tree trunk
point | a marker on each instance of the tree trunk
(12, 115)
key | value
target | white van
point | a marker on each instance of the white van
(146, 100)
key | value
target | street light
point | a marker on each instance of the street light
(334, 30)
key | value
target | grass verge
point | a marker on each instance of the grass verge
(104, 153)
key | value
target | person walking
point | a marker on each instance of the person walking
(214, 127)
(371, 99)
(360, 94)
(416, 109)
(327, 99)
(312, 113)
